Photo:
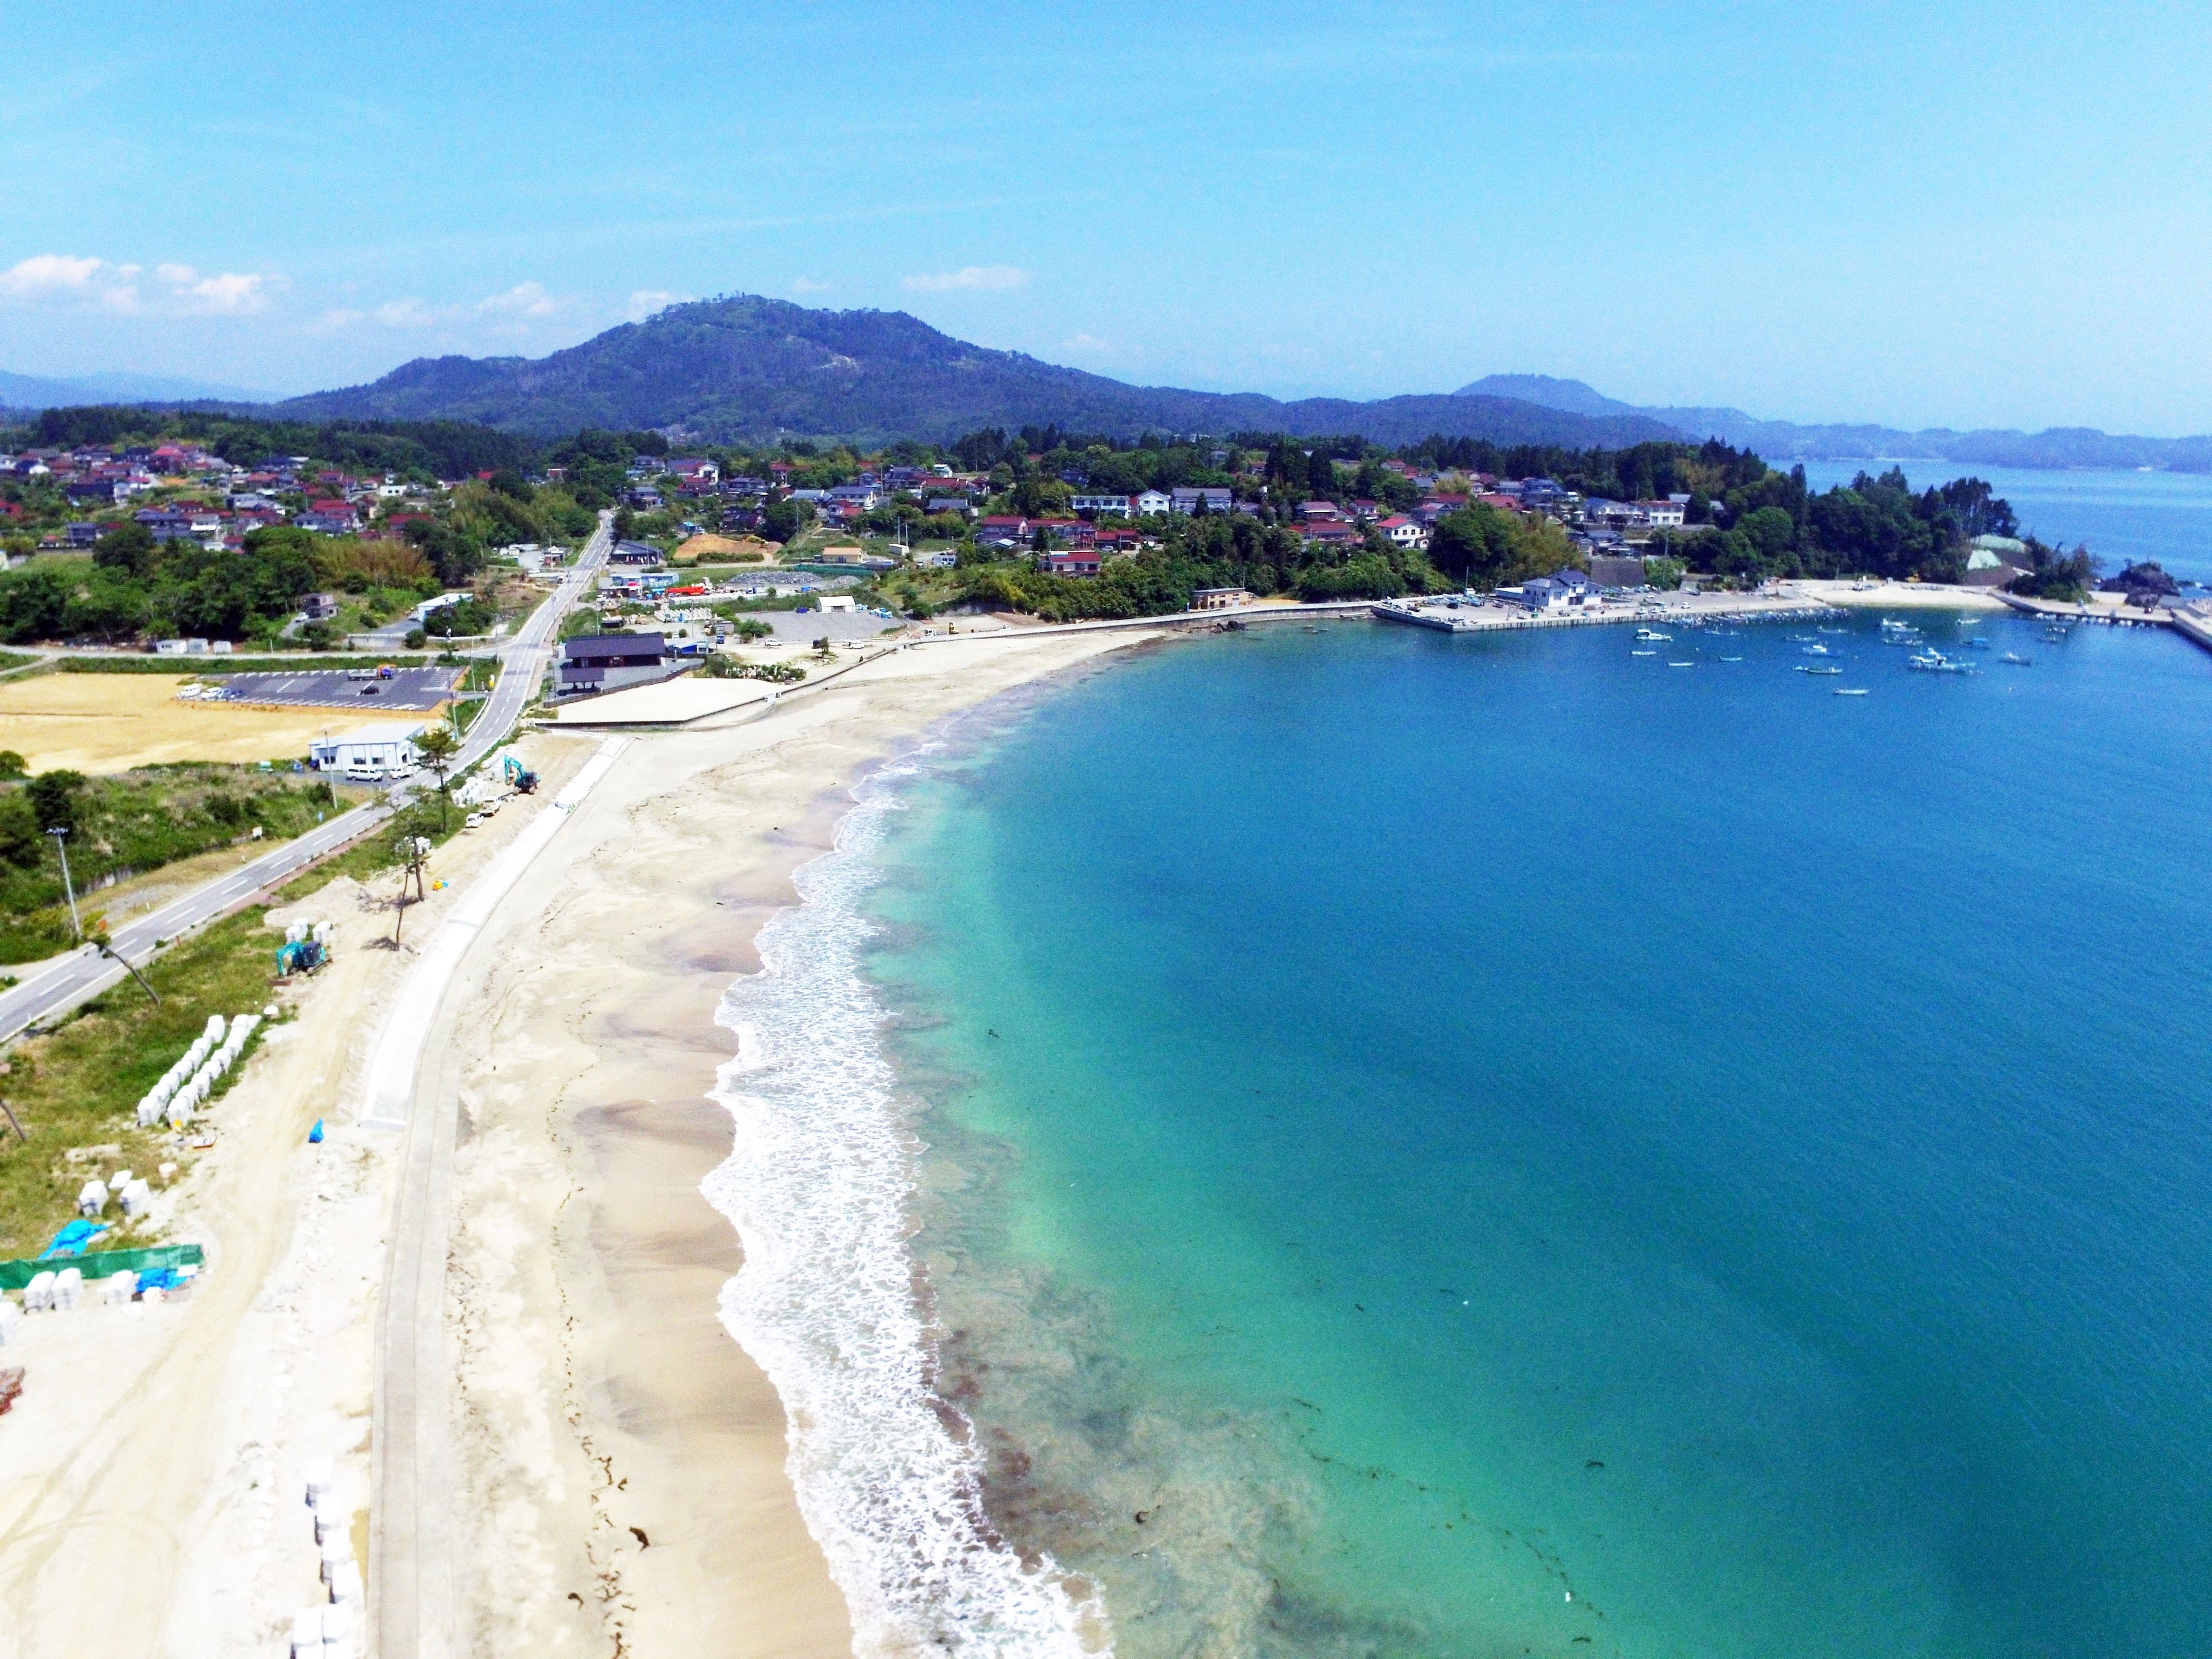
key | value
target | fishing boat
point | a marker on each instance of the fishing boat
(1651, 635)
(2017, 661)
(1681, 664)
(1643, 654)
(1818, 650)
(1824, 671)
(1851, 691)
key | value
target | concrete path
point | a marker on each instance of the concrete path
(411, 1587)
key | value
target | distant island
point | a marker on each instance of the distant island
(1782, 441)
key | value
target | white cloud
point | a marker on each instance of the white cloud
(969, 276)
(647, 300)
(66, 278)
(808, 285)
(523, 299)
(409, 313)
(233, 294)
(1086, 342)
(44, 274)
(330, 322)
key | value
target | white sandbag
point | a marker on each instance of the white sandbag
(317, 1477)
(118, 1181)
(149, 1111)
(92, 1197)
(69, 1288)
(338, 1631)
(345, 1586)
(10, 1317)
(39, 1294)
(138, 1198)
(215, 1028)
(307, 1633)
(336, 1552)
(119, 1287)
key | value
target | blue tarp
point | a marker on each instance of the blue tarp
(70, 1240)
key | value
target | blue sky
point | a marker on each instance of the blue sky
(1964, 215)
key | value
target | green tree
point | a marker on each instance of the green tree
(53, 798)
(437, 745)
(128, 548)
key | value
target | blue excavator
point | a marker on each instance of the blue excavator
(523, 780)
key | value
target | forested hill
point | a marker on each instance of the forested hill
(747, 368)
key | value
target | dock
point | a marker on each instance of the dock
(2193, 622)
(1465, 613)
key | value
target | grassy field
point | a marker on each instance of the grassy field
(98, 723)
(125, 828)
(79, 1087)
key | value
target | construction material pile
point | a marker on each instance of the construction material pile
(186, 1085)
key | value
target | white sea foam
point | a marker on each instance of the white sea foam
(818, 1185)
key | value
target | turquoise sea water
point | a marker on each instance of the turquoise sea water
(2165, 517)
(1498, 1145)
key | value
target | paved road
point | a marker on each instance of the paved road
(68, 980)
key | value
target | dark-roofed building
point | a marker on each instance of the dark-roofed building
(601, 662)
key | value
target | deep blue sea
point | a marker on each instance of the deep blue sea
(2165, 517)
(1490, 1146)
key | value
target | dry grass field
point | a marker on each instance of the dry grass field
(97, 723)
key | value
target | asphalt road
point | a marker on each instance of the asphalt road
(65, 980)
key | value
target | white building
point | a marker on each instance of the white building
(1151, 501)
(384, 750)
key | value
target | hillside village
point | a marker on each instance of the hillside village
(379, 530)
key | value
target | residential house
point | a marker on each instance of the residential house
(634, 553)
(1092, 506)
(1185, 499)
(1003, 529)
(1218, 598)
(696, 470)
(1403, 531)
(1150, 502)
(1072, 562)
(1318, 512)
(1331, 533)
(959, 504)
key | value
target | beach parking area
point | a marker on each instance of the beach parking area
(97, 723)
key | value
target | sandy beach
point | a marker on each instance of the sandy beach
(618, 1464)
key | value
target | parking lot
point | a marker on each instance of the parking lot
(414, 689)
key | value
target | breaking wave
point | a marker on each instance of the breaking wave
(819, 1185)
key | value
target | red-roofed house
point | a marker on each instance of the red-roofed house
(1403, 531)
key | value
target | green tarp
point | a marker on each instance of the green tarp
(13, 1275)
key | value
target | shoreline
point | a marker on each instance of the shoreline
(622, 1469)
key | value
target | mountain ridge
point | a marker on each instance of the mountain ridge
(1785, 441)
(746, 367)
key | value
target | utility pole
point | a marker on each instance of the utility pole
(61, 846)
